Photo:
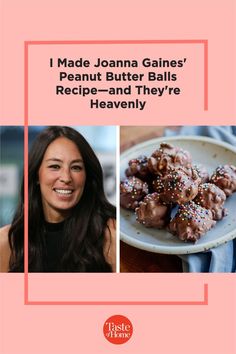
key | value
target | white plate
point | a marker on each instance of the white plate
(206, 151)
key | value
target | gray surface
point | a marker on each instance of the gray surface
(206, 151)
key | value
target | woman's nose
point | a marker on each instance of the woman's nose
(65, 176)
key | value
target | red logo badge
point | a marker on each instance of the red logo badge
(118, 329)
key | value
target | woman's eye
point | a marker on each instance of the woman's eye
(77, 168)
(54, 167)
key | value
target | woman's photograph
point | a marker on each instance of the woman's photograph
(71, 223)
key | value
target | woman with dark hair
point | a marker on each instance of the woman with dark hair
(71, 224)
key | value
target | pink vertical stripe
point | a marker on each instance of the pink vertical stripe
(205, 75)
(26, 175)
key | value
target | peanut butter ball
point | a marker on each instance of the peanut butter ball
(132, 190)
(212, 197)
(224, 177)
(179, 187)
(191, 222)
(168, 158)
(151, 212)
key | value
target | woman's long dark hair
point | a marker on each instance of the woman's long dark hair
(85, 228)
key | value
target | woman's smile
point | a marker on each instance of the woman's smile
(63, 192)
(62, 179)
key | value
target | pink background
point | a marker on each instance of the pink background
(77, 109)
(49, 287)
(103, 20)
(157, 329)
(182, 329)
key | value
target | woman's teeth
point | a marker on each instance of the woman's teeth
(63, 191)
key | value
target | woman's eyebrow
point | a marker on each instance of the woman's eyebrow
(59, 160)
(54, 159)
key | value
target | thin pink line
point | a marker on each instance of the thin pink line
(206, 297)
(26, 174)
(198, 302)
(26, 211)
(156, 41)
(206, 75)
(26, 83)
(27, 43)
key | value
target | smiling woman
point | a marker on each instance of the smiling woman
(62, 179)
(71, 223)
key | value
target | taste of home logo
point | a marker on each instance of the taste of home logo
(117, 329)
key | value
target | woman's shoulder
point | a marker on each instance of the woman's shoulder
(111, 224)
(110, 231)
(110, 243)
(5, 250)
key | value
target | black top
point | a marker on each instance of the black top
(55, 248)
(53, 241)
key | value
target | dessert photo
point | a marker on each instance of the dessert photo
(177, 198)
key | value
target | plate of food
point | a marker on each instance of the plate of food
(178, 194)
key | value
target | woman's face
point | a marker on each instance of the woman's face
(62, 178)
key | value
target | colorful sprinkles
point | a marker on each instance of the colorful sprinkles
(169, 173)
